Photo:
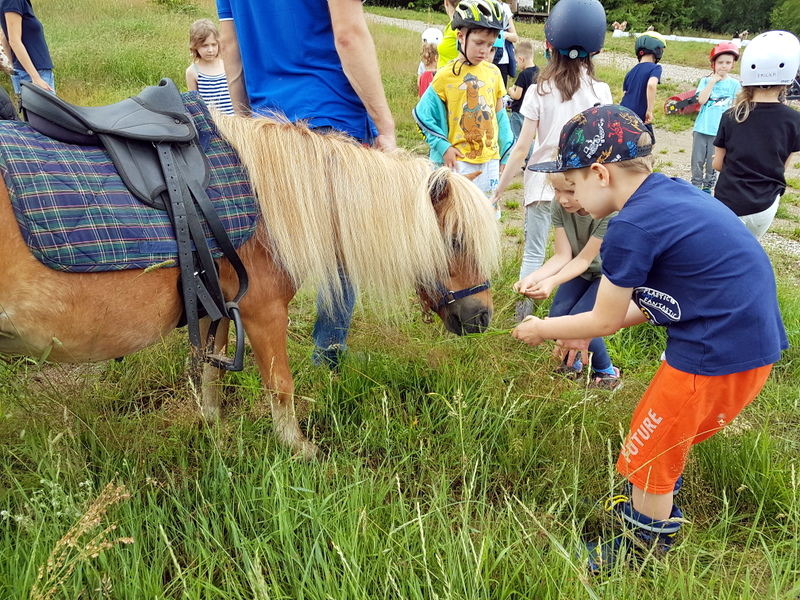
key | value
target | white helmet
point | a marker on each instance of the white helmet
(771, 58)
(432, 36)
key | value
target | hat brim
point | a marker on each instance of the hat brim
(547, 167)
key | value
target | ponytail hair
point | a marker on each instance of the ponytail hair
(743, 103)
(567, 74)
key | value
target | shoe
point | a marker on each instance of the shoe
(330, 357)
(606, 381)
(706, 190)
(573, 371)
(636, 536)
(522, 309)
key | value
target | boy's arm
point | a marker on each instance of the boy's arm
(652, 85)
(505, 137)
(430, 115)
(516, 156)
(574, 268)
(515, 91)
(612, 311)
(704, 94)
(719, 158)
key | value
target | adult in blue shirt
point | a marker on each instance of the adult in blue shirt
(315, 61)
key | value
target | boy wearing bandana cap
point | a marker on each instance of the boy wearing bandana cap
(672, 257)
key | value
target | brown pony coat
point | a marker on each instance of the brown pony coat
(391, 223)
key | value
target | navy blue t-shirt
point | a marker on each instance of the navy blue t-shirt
(696, 269)
(32, 33)
(634, 86)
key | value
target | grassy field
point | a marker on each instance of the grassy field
(454, 468)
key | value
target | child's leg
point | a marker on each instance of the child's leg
(710, 177)
(698, 159)
(537, 226)
(678, 410)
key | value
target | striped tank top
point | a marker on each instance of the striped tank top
(213, 90)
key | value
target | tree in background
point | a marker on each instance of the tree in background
(786, 16)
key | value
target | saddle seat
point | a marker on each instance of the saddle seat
(157, 114)
(129, 130)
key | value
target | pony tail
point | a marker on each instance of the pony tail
(743, 104)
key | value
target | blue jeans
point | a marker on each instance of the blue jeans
(578, 296)
(332, 325)
(20, 75)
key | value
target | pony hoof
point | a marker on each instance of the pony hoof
(306, 450)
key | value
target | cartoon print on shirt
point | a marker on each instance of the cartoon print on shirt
(660, 308)
(476, 121)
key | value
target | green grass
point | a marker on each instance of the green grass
(454, 468)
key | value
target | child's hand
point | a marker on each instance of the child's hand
(648, 116)
(541, 290)
(525, 284)
(451, 157)
(527, 331)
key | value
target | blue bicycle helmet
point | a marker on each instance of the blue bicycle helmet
(576, 27)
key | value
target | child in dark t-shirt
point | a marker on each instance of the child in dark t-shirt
(639, 86)
(529, 72)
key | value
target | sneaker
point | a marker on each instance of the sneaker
(522, 309)
(330, 357)
(606, 381)
(572, 371)
(706, 190)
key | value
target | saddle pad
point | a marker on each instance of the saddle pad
(76, 214)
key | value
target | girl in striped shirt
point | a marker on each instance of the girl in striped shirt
(206, 74)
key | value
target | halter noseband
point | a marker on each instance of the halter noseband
(449, 296)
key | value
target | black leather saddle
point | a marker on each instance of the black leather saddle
(154, 146)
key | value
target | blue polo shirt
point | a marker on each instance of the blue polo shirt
(291, 65)
(696, 269)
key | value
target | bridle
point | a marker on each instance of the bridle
(449, 296)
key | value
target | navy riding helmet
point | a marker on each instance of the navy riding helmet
(576, 27)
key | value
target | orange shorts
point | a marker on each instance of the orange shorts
(677, 411)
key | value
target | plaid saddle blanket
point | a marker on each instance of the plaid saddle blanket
(76, 214)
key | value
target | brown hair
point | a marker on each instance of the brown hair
(566, 74)
(429, 54)
(198, 32)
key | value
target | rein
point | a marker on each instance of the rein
(449, 296)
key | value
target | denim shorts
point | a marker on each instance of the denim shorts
(20, 75)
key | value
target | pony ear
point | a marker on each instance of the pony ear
(439, 183)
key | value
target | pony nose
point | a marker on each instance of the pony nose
(477, 323)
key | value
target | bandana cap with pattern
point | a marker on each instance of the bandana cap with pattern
(601, 134)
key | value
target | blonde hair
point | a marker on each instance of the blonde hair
(567, 74)
(743, 103)
(315, 225)
(640, 164)
(429, 54)
(198, 32)
(524, 48)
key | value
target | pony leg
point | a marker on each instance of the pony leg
(265, 316)
(211, 383)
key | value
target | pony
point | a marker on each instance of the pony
(328, 206)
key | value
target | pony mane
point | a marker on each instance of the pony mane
(328, 202)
